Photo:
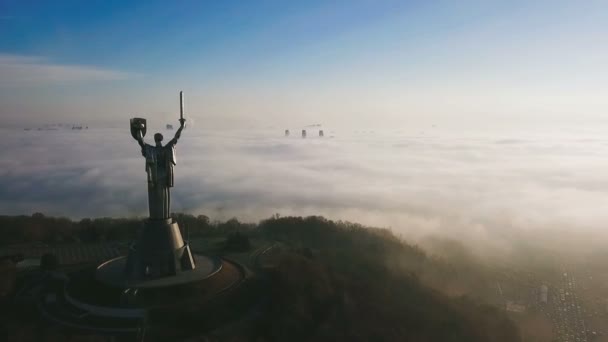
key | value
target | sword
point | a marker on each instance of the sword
(181, 105)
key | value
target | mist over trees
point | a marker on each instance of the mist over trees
(333, 280)
(352, 288)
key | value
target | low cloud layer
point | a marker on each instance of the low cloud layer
(16, 70)
(478, 188)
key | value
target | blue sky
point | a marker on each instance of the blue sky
(292, 63)
(161, 34)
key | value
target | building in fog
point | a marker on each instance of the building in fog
(543, 294)
(303, 133)
(286, 132)
(513, 306)
(321, 134)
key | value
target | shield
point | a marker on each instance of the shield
(138, 124)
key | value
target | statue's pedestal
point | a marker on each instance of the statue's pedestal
(158, 258)
(156, 286)
(159, 252)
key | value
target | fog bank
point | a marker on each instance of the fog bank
(476, 185)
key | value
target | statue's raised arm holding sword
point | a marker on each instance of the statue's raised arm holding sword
(160, 161)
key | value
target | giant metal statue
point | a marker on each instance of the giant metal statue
(160, 250)
(159, 165)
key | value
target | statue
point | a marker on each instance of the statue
(160, 161)
(160, 250)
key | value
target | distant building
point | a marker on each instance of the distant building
(321, 134)
(303, 133)
(543, 294)
(512, 306)
(286, 132)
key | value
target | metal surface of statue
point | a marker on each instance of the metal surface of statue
(160, 161)
(160, 250)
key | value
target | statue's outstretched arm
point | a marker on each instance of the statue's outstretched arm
(140, 139)
(178, 133)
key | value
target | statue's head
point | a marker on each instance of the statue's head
(158, 138)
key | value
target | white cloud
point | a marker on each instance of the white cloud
(16, 70)
(487, 190)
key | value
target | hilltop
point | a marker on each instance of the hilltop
(323, 280)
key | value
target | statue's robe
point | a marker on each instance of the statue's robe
(160, 161)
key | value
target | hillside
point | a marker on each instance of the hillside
(344, 284)
(331, 280)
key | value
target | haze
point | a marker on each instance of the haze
(497, 187)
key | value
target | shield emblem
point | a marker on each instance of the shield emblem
(138, 124)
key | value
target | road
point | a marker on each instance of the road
(565, 310)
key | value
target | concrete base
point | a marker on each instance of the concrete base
(112, 273)
(159, 252)
(102, 300)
